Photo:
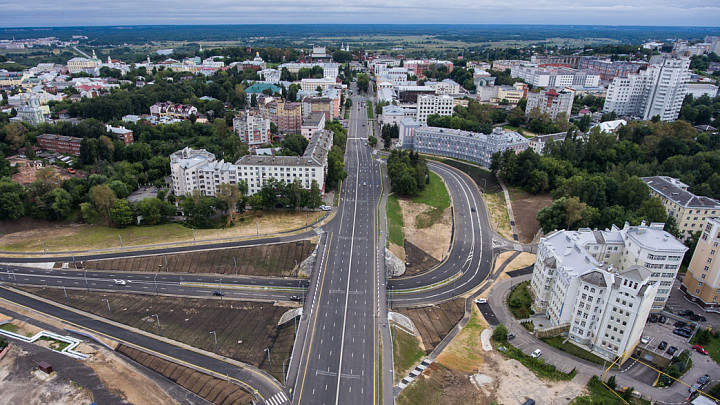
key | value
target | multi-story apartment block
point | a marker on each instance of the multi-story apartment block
(311, 85)
(447, 86)
(330, 70)
(495, 94)
(702, 89)
(551, 102)
(557, 77)
(429, 105)
(311, 105)
(121, 133)
(689, 210)
(252, 128)
(502, 65)
(312, 124)
(66, 145)
(538, 142)
(702, 281)
(608, 69)
(471, 146)
(657, 91)
(570, 61)
(417, 67)
(286, 115)
(199, 170)
(602, 285)
(408, 94)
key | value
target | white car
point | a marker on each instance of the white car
(120, 282)
(537, 353)
(325, 207)
(480, 301)
(645, 340)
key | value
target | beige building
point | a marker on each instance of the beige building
(702, 282)
(79, 64)
(689, 210)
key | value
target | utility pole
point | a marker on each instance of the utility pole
(121, 244)
(156, 289)
(108, 305)
(66, 297)
(193, 230)
(268, 353)
(215, 336)
(235, 263)
(158, 323)
(86, 282)
(73, 257)
(167, 269)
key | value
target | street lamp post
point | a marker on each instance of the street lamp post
(158, 323)
(268, 353)
(215, 336)
(108, 305)
(220, 288)
(235, 264)
(156, 288)
(121, 244)
(66, 297)
(284, 375)
(86, 282)
(73, 257)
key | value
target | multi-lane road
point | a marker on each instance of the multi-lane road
(336, 357)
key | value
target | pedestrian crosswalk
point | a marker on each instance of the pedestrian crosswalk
(277, 399)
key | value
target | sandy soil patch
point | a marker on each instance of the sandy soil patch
(524, 259)
(397, 251)
(125, 380)
(434, 240)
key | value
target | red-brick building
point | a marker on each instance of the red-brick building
(66, 145)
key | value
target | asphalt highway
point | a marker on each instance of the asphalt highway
(339, 363)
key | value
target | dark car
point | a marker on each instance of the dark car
(680, 324)
(686, 312)
(472, 209)
(662, 345)
(672, 350)
(684, 332)
(218, 293)
(698, 318)
(662, 319)
(529, 402)
(653, 318)
(703, 380)
(295, 298)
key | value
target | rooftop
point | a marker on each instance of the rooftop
(676, 191)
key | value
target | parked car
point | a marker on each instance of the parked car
(684, 332)
(325, 207)
(680, 324)
(694, 388)
(529, 402)
(480, 301)
(698, 318)
(653, 318)
(510, 336)
(120, 282)
(662, 345)
(645, 339)
(686, 312)
(218, 293)
(703, 380)
(537, 353)
(672, 350)
(662, 319)
(700, 349)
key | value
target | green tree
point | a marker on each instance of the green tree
(62, 203)
(229, 195)
(500, 333)
(372, 141)
(119, 188)
(102, 198)
(12, 198)
(121, 213)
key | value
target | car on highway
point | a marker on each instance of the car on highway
(325, 207)
(703, 380)
(120, 282)
(672, 350)
(218, 293)
(364, 183)
(645, 339)
(536, 354)
(473, 209)
(480, 301)
(662, 345)
(700, 349)
(295, 298)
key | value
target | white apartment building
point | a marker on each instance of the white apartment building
(430, 104)
(602, 285)
(76, 65)
(659, 90)
(395, 75)
(198, 170)
(557, 77)
(311, 85)
(689, 210)
(252, 128)
(551, 102)
(330, 70)
(702, 89)
(447, 86)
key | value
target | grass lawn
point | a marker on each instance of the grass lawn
(712, 346)
(498, 213)
(9, 327)
(370, 110)
(395, 221)
(434, 195)
(537, 365)
(347, 113)
(406, 352)
(557, 342)
(519, 301)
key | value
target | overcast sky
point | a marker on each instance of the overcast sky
(140, 12)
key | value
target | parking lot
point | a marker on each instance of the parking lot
(659, 332)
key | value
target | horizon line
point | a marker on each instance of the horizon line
(357, 24)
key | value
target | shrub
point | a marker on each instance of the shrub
(500, 333)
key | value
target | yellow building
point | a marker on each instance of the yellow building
(702, 281)
(689, 210)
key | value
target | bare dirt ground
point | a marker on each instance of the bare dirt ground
(525, 209)
(281, 260)
(19, 386)
(419, 260)
(434, 322)
(465, 373)
(26, 173)
(433, 240)
(499, 218)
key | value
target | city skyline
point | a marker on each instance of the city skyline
(46, 13)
